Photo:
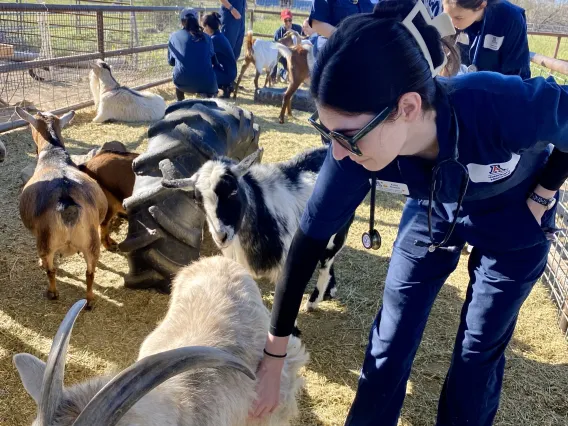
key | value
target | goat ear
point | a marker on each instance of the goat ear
(64, 120)
(24, 115)
(31, 370)
(251, 159)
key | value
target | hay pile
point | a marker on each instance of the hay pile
(536, 385)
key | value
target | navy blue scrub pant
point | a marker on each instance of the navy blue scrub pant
(500, 281)
(234, 30)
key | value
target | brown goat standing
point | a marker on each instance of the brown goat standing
(60, 205)
(300, 60)
(113, 172)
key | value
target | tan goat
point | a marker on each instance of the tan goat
(300, 61)
(60, 205)
(113, 172)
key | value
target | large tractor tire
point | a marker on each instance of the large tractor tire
(165, 226)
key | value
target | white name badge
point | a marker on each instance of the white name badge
(488, 173)
(493, 42)
(463, 38)
(392, 187)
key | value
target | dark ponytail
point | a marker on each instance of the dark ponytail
(373, 59)
(471, 4)
(212, 20)
(191, 25)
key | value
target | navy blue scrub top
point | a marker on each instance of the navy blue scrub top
(192, 62)
(334, 11)
(504, 42)
(505, 127)
(240, 5)
(225, 55)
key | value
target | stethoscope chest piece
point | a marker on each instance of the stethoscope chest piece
(372, 240)
(472, 68)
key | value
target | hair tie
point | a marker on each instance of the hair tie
(443, 23)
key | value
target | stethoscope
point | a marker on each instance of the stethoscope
(473, 66)
(372, 238)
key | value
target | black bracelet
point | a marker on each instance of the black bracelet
(275, 356)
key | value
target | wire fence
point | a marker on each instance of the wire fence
(556, 272)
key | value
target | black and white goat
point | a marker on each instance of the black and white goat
(120, 103)
(254, 210)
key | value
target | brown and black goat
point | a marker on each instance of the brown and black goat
(300, 61)
(113, 172)
(60, 205)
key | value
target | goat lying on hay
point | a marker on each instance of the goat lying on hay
(264, 55)
(60, 205)
(119, 103)
(254, 210)
(300, 61)
(190, 368)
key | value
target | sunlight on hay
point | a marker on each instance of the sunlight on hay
(108, 338)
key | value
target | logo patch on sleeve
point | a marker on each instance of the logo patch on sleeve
(487, 173)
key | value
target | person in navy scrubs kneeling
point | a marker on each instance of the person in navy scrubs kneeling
(190, 52)
(492, 36)
(226, 71)
(480, 156)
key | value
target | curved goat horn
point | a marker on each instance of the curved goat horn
(52, 385)
(113, 401)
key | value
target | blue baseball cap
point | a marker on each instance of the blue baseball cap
(188, 11)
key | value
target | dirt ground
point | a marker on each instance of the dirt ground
(536, 383)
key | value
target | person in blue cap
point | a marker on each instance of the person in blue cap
(190, 52)
(233, 23)
(480, 157)
(226, 72)
(492, 36)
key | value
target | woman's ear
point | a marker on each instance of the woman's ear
(410, 106)
(482, 6)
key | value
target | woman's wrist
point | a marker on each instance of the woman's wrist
(543, 192)
(275, 347)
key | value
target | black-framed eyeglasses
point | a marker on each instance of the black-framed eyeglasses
(349, 142)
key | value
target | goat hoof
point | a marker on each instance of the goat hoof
(310, 306)
(281, 121)
(52, 295)
(89, 306)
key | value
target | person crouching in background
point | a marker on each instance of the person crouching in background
(190, 52)
(226, 72)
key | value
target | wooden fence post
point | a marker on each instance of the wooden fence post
(100, 34)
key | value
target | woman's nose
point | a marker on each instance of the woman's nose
(339, 153)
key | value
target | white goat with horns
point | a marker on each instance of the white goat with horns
(120, 103)
(195, 369)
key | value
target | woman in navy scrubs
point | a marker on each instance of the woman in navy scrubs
(233, 20)
(492, 35)
(327, 14)
(190, 52)
(472, 154)
(226, 71)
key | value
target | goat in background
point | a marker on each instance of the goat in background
(195, 369)
(119, 103)
(264, 55)
(300, 60)
(61, 205)
(113, 172)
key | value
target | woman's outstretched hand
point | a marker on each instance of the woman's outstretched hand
(267, 387)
